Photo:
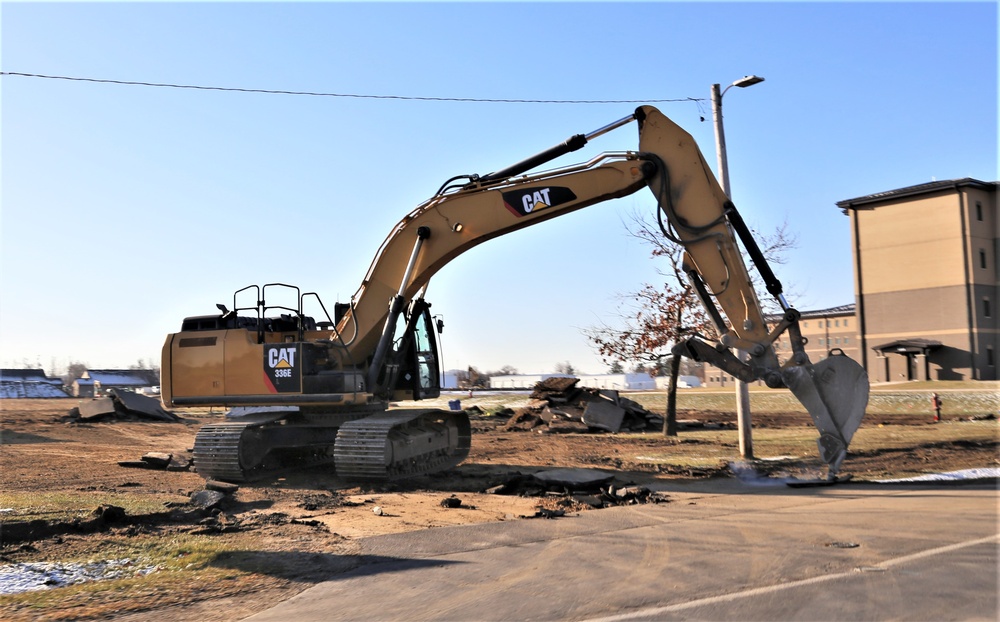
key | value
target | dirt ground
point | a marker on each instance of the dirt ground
(276, 537)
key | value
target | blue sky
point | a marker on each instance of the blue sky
(127, 208)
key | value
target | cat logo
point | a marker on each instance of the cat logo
(538, 200)
(280, 372)
(532, 200)
(281, 358)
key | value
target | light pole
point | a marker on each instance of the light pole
(742, 390)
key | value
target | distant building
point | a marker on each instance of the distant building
(522, 381)
(30, 384)
(449, 379)
(96, 382)
(618, 382)
(926, 281)
(683, 382)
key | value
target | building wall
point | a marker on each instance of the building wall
(925, 267)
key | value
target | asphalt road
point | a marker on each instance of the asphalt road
(720, 550)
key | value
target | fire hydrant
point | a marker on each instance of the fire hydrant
(936, 405)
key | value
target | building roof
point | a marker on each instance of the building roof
(122, 377)
(27, 375)
(909, 191)
(829, 312)
(15, 389)
(839, 310)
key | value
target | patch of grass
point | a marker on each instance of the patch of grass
(32, 505)
(960, 399)
(700, 449)
(895, 436)
(185, 572)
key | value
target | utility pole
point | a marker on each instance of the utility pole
(742, 390)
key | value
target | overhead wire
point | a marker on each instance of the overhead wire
(350, 95)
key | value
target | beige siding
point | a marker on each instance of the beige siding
(927, 233)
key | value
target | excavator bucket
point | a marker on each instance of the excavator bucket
(835, 392)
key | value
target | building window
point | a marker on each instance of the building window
(979, 210)
(989, 356)
(846, 340)
(986, 307)
(836, 341)
(836, 323)
(982, 259)
(805, 324)
(845, 322)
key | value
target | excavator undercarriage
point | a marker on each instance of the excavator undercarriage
(381, 446)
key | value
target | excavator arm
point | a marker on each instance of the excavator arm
(707, 225)
(698, 216)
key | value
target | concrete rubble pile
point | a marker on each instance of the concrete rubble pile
(558, 406)
(581, 487)
(159, 461)
(121, 405)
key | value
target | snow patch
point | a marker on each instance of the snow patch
(950, 476)
(27, 577)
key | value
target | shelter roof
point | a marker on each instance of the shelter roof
(908, 346)
(123, 377)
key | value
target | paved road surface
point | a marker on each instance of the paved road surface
(720, 550)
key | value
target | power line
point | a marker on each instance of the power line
(354, 95)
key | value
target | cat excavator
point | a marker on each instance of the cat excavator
(307, 389)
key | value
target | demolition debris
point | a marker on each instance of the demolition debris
(123, 405)
(557, 405)
(581, 487)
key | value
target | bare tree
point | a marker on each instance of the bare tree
(654, 319)
(74, 371)
(566, 368)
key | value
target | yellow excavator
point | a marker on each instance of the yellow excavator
(305, 390)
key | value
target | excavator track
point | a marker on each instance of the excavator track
(261, 444)
(400, 444)
(383, 446)
(217, 452)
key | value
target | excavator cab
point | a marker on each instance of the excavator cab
(412, 371)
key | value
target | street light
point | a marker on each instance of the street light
(742, 390)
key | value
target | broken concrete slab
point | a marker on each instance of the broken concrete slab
(574, 479)
(135, 464)
(92, 410)
(207, 499)
(603, 414)
(157, 460)
(143, 406)
(179, 464)
(224, 487)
